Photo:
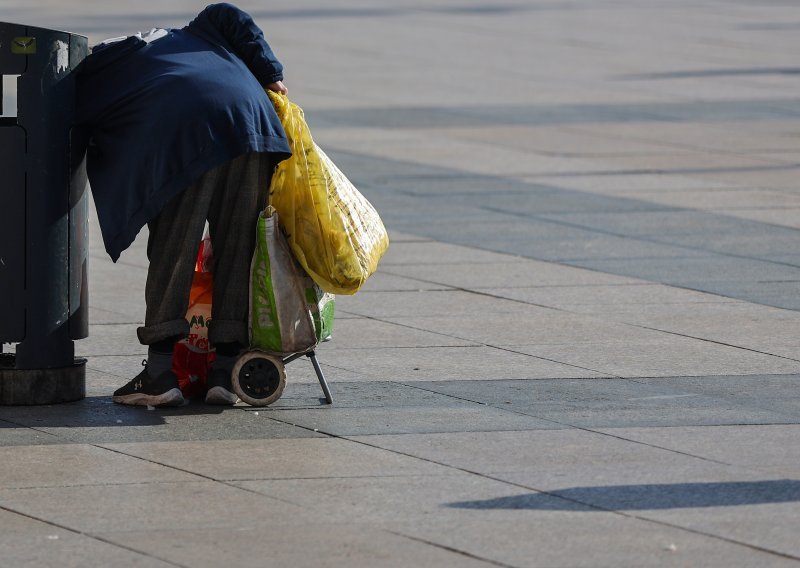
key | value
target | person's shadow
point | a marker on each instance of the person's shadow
(648, 496)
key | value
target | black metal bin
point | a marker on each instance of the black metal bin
(43, 220)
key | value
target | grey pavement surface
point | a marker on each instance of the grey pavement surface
(582, 348)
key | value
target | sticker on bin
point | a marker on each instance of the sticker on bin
(23, 45)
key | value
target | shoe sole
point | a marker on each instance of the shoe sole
(172, 397)
(222, 396)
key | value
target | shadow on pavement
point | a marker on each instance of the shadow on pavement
(96, 411)
(643, 497)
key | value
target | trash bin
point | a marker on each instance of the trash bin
(43, 220)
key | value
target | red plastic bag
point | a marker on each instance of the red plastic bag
(192, 357)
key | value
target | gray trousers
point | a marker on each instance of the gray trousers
(230, 198)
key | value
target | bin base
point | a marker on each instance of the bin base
(41, 386)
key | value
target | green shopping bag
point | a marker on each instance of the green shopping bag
(289, 313)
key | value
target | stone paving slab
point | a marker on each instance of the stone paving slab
(309, 545)
(535, 326)
(31, 542)
(572, 207)
(436, 363)
(685, 483)
(725, 200)
(769, 447)
(678, 504)
(756, 281)
(645, 256)
(580, 245)
(630, 184)
(385, 282)
(108, 373)
(599, 540)
(322, 457)
(384, 501)
(624, 201)
(12, 434)
(642, 305)
(671, 355)
(751, 241)
(776, 177)
(413, 420)
(771, 331)
(444, 303)
(161, 506)
(549, 140)
(768, 526)
(103, 316)
(437, 254)
(78, 465)
(111, 339)
(492, 453)
(97, 420)
(698, 162)
(510, 274)
(594, 403)
(611, 300)
(679, 225)
(785, 217)
(725, 136)
(734, 511)
(771, 392)
(778, 293)
(368, 333)
(355, 396)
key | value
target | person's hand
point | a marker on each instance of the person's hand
(278, 87)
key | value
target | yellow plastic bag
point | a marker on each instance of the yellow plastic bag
(333, 231)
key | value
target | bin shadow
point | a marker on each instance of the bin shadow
(652, 496)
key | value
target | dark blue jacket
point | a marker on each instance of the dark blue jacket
(161, 114)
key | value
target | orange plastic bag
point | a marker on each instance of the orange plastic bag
(192, 357)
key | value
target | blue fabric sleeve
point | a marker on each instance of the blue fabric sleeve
(225, 24)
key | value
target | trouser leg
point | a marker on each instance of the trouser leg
(232, 217)
(172, 251)
(230, 197)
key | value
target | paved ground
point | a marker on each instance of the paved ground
(581, 349)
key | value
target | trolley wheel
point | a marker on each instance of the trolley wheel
(258, 378)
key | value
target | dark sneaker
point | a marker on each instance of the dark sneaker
(220, 390)
(146, 391)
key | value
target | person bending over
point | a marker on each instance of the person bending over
(180, 132)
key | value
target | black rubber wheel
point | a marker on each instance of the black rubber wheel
(258, 378)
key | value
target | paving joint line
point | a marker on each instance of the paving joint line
(573, 426)
(228, 483)
(687, 147)
(89, 535)
(480, 292)
(36, 429)
(584, 504)
(604, 375)
(769, 166)
(464, 470)
(477, 343)
(644, 238)
(450, 549)
(322, 478)
(714, 341)
(591, 316)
